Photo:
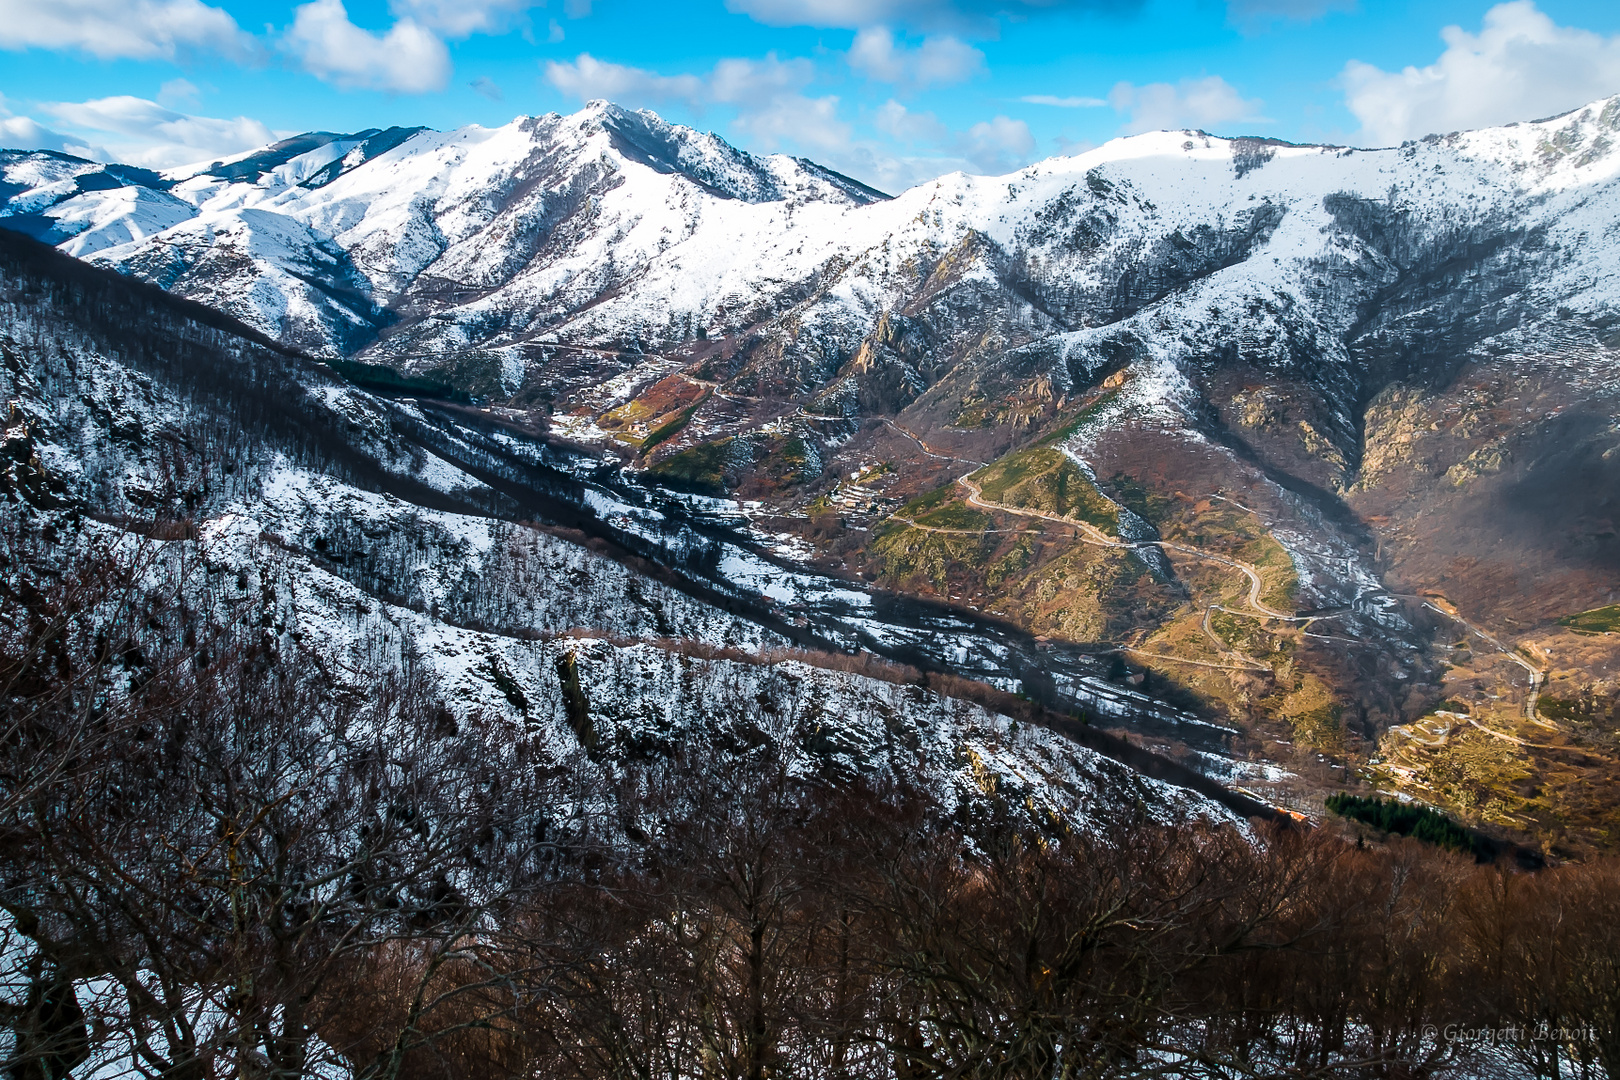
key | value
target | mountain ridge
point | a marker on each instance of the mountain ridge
(1362, 377)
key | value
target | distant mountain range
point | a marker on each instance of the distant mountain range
(1315, 439)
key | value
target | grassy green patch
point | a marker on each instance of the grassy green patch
(1220, 528)
(668, 429)
(1011, 564)
(1046, 480)
(783, 461)
(955, 516)
(1321, 727)
(1603, 620)
(1244, 635)
(931, 501)
(910, 558)
(1283, 591)
(1419, 822)
(1140, 499)
(700, 467)
(1554, 708)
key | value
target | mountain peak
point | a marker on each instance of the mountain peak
(644, 137)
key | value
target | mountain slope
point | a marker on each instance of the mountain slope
(302, 516)
(1276, 430)
(313, 238)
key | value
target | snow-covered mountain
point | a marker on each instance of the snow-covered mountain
(324, 239)
(613, 228)
(1357, 375)
(304, 516)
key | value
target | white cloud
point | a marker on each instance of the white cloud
(901, 124)
(24, 133)
(1072, 147)
(774, 112)
(178, 92)
(768, 95)
(993, 146)
(876, 55)
(587, 78)
(460, 18)
(749, 83)
(113, 29)
(145, 133)
(407, 59)
(487, 87)
(849, 13)
(554, 32)
(881, 166)
(1064, 102)
(796, 120)
(999, 145)
(1192, 103)
(977, 16)
(1520, 66)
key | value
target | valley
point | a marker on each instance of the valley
(1296, 463)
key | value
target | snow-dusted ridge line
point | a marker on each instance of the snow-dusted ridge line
(611, 226)
(362, 577)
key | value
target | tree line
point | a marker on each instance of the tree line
(220, 859)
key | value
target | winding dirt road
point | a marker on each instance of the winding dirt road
(1090, 534)
(925, 448)
(1537, 677)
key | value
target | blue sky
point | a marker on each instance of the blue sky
(890, 91)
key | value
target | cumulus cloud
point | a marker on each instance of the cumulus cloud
(774, 112)
(999, 144)
(178, 92)
(748, 82)
(901, 124)
(796, 120)
(25, 133)
(977, 16)
(122, 29)
(938, 60)
(992, 146)
(587, 78)
(143, 132)
(1192, 103)
(461, 18)
(1064, 102)
(408, 59)
(768, 95)
(1520, 66)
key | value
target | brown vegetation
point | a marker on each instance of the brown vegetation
(217, 861)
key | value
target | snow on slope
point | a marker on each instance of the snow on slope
(267, 234)
(104, 428)
(357, 582)
(612, 228)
